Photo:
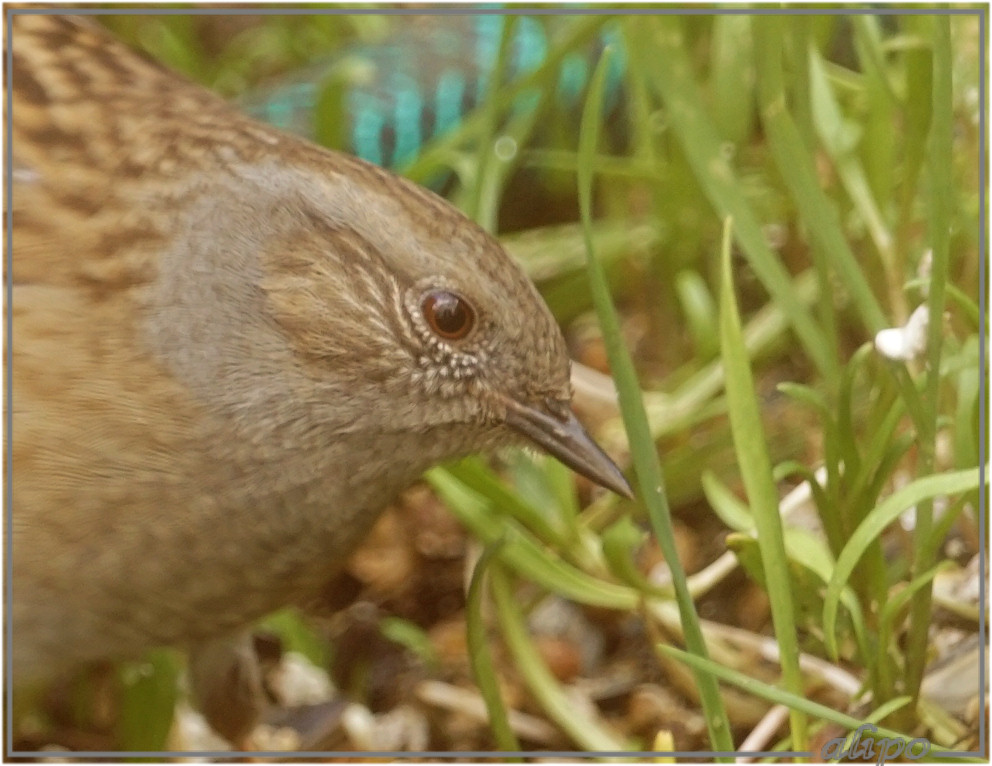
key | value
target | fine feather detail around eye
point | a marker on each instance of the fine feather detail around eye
(448, 314)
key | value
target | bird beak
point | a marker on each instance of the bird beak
(561, 434)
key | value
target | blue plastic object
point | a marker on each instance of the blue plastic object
(417, 85)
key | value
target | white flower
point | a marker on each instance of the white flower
(908, 342)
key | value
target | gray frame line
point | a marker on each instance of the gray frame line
(449, 10)
(9, 385)
(983, 423)
(981, 12)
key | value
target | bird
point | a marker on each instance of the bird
(230, 349)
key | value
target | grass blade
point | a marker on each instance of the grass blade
(703, 149)
(582, 728)
(756, 471)
(792, 701)
(792, 157)
(941, 199)
(875, 523)
(481, 659)
(643, 451)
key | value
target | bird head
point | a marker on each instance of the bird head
(384, 286)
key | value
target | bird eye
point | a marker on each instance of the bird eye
(448, 314)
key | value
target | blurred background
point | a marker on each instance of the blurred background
(846, 148)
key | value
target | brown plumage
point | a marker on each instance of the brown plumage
(225, 359)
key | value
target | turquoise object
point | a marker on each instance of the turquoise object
(417, 85)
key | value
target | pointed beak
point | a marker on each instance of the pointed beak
(556, 430)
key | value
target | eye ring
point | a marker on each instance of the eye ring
(448, 314)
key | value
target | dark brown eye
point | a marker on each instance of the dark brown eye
(448, 314)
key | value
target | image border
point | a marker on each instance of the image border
(442, 10)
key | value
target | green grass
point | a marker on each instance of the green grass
(841, 149)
